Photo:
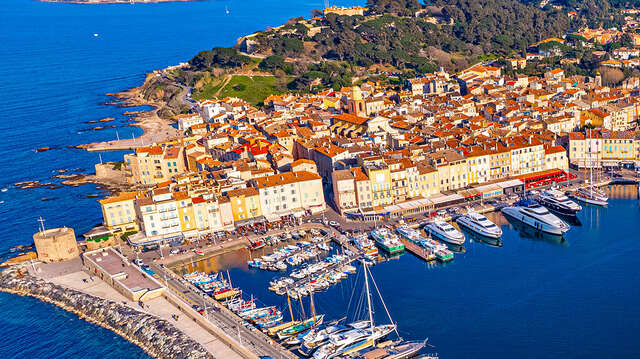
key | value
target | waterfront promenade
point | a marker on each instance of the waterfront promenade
(70, 275)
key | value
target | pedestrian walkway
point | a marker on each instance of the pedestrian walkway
(158, 307)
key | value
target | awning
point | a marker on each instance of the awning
(250, 221)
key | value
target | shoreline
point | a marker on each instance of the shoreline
(154, 334)
(154, 128)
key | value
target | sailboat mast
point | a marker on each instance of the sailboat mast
(366, 282)
(289, 302)
(313, 309)
(302, 307)
(229, 279)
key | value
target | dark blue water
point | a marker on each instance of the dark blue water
(54, 75)
(534, 297)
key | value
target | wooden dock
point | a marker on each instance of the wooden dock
(417, 250)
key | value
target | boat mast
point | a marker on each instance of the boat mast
(289, 302)
(229, 279)
(313, 309)
(366, 282)
(384, 305)
(302, 307)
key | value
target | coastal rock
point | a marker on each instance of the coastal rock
(157, 337)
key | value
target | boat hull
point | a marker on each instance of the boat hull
(554, 207)
(543, 227)
(468, 224)
(442, 237)
(588, 200)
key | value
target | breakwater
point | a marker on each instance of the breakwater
(157, 337)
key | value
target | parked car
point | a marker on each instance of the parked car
(139, 262)
(334, 224)
(174, 251)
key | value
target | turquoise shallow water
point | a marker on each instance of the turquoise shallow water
(54, 76)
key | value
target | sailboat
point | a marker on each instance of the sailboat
(590, 194)
(358, 339)
(304, 325)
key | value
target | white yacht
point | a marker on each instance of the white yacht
(557, 202)
(445, 231)
(536, 216)
(341, 344)
(479, 224)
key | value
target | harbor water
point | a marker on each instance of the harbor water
(533, 296)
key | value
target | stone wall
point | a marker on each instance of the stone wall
(157, 337)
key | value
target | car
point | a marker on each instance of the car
(139, 262)
(334, 224)
(174, 251)
(442, 212)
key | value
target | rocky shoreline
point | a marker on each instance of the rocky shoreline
(157, 337)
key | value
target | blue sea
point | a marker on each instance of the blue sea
(531, 298)
(54, 77)
(535, 296)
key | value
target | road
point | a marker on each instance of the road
(228, 322)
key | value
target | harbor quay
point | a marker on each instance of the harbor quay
(169, 294)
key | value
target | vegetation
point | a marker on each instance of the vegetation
(252, 89)
(403, 36)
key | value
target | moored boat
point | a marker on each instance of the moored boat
(591, 195)
(366, 245)
(534, 215)
(444, 231)
(557, 202)
(388, 241)
(479, 224)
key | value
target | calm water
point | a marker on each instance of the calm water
(55, 75)
(533, 297)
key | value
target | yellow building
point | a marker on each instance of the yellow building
(119, 212)
(155, 164)
(245, 204)
(478, 165)
(380, 184)
(452, 169)
(500, 163)
(185, 211)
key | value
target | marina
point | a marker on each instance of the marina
(517, 239)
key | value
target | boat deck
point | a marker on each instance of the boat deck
(417, 250)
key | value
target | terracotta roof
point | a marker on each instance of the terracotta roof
(285, 178)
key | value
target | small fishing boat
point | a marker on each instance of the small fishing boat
(301, 327)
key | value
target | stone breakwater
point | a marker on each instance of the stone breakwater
(157, 337)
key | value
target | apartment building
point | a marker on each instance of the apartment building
(119, 212)
(290, 193)
(155, 164)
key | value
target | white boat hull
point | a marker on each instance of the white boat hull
(474, 227)
(594, 201)
(442, 236)
(514, 212)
